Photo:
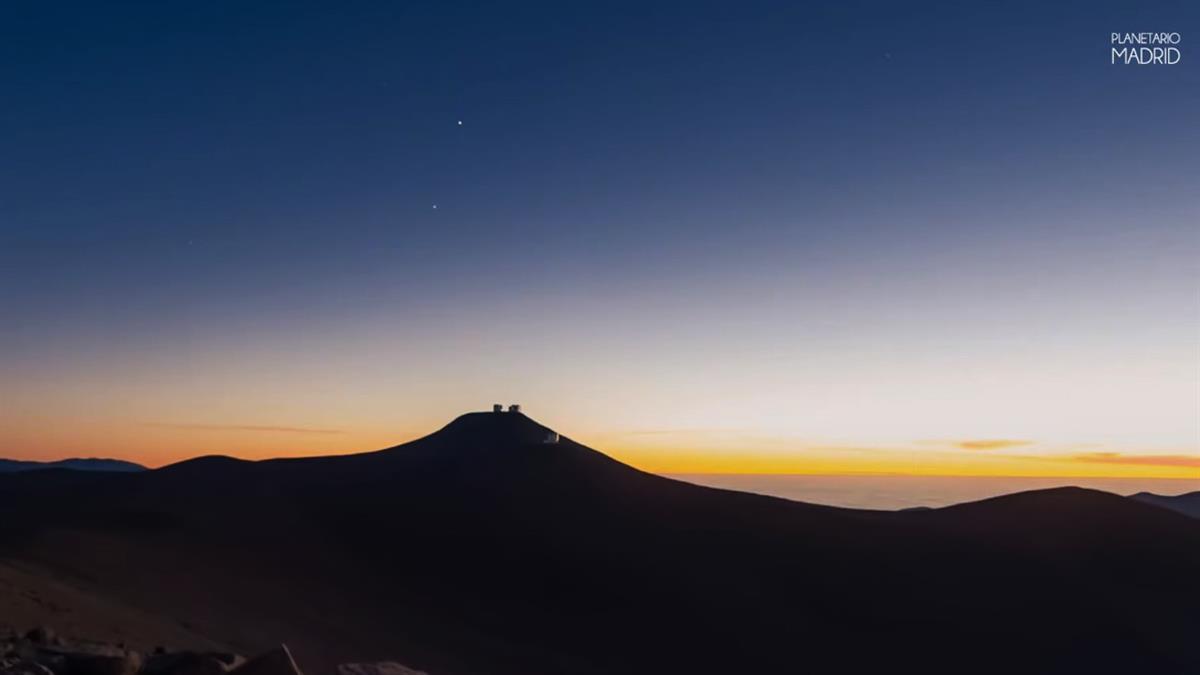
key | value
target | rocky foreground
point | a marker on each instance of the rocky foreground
(41, 652)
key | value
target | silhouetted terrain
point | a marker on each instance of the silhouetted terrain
(482, 549)
(76, 464)
(1187, 504)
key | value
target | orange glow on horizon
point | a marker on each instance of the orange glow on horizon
(156, 445)
(1050, 466)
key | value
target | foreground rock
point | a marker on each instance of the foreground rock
(380, 668)
(190, 663)
(278, 661)
(42, 652)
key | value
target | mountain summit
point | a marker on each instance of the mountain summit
(495, 429)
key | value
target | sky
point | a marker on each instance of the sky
(839, 237)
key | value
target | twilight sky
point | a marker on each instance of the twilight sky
(808, 237)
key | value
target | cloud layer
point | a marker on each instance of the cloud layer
(990, 444)
(1143, 460)
(247, 427)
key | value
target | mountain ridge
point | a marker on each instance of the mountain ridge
(1188, 503)
(72, 463)
(482, 548)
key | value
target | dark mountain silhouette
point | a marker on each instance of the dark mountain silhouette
(1187, 504)
(483, 549)
(75, 464)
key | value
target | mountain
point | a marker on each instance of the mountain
(483, 548)
(1187, 504)
(75, 464)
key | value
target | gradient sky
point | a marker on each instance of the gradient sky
(944, 238)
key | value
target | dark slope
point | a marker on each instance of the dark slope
(1187, 504)
(1082, 567)
(481, 549)
(75, 463)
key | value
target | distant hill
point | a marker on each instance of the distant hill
(488, 548)
(74, 464)
(1187, 504)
